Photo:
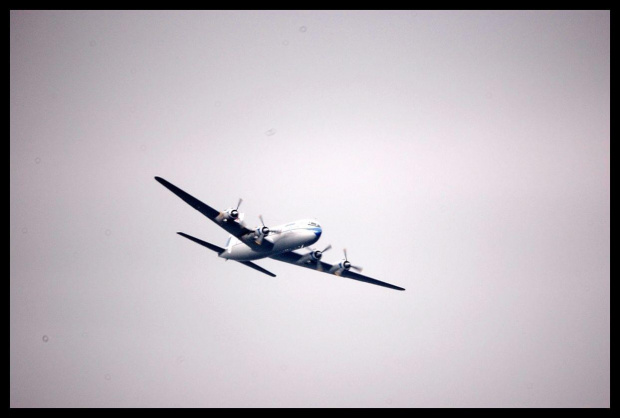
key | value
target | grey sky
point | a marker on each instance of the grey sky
(462, 155)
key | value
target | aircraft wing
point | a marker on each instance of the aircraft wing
(292, 257)
(235, 228)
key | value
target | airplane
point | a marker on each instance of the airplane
(279, 243)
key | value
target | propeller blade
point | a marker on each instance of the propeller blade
(327, 248)
(346, 259)
(239, 204)
(261, 219)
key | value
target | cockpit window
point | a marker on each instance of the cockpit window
(314, 224)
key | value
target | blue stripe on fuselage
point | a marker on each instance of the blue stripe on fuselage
(317, 231)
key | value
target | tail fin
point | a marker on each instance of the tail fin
(232, 240)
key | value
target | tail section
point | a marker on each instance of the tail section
(232, 241)
(219, 250)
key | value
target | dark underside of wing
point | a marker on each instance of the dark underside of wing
(234, 228)
(201, 207)
(296, 259)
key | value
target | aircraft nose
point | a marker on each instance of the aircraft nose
(318, 232)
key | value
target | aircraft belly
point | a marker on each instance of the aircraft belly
(242, 252)
(283, 243)
(293, 241)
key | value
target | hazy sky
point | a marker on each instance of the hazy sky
(464, 156)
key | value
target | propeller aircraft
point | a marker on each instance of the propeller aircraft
(279, 243)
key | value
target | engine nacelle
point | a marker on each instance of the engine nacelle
(344, 264)
(316, 255)
(262, 231)
(230, 214)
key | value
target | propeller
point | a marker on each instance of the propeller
(318, 254)
(347, 264)
(264, 231)
(315, 255)
(231, 214)
(235, 212)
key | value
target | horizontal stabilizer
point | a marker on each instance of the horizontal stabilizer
(220, 250)
(257, 267)
(210, 246)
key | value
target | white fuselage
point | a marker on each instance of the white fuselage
(290, 237)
